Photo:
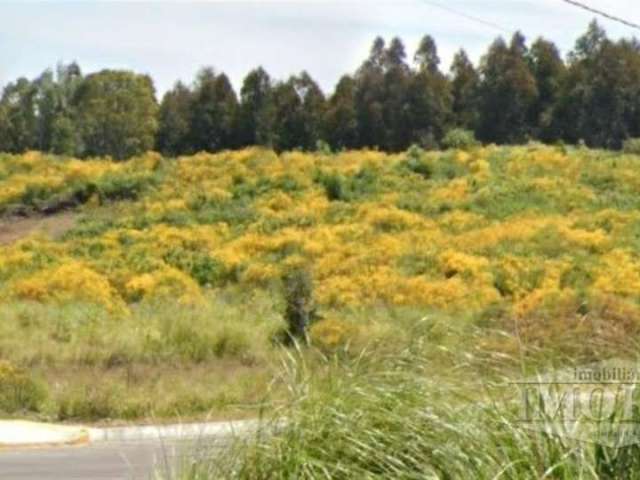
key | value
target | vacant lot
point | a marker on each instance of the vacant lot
(165, 283)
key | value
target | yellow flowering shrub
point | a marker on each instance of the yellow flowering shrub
(454, 191)
(618, 273)
(548, 291)
(167, 283)
(71, 281)
(529, 227)
(332, 334)
(453, 262)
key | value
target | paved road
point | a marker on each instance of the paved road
(101, 461)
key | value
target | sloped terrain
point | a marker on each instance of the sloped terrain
(177, 263)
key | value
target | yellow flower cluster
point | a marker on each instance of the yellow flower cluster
(618, 273)
(167, 283)
(37, 171)
(70, 281)
(459, 239)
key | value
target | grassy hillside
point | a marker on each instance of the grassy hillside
(168, 287)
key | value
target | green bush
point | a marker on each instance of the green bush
(323, 148)
(363, 183)
(415, 162)
(243, 189)
(334, 187)
(122, 187)
(19, 392)
(205, 269)
(300, 310)
(632, 146)
(234, 212)
(415, 152)
(91, 403)
(459, 139)
(34, 194)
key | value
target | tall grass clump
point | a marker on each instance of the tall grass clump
(19, 391)
(382, 417)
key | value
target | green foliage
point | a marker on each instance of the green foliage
(516, 93)
(415, 162)
(381, 416)
(203, 268)
(19, 391)
(632, 146)
(191, 344)
(121, 187)
(340, 124)
(550, 73)
(174, 121)
(164, 359)
(459, 139)
(237, 212)
(334, 187)
(465, 83)
(91, 403)
(300, 308)
(116, 114)
(213, 112)
(256, 112)
(508, 92)
(601, 91)
(348, 188)
(299, 108)
(18, 120)
(249, 190)
(323, 148)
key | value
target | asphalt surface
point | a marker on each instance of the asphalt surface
(105, 460)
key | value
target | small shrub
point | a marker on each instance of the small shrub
(415, 152)
(121, 187)
(91, 403)
(19, 392)
(459, 139)
(323, 148)
(632, 146)
(33, 194)
(416, 163)
(334, 187)
(205, 269)
(300, 310)
(363, 183)
(349, 188)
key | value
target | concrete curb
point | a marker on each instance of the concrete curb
(17, 434)
(22, 434)
(172, 432)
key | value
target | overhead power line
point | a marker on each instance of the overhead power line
(603, 14)
(472, 18)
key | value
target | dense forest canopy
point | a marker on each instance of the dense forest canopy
(517, 92)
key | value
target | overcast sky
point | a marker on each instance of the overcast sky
(171, 40)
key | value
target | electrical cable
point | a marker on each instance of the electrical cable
(603, 14)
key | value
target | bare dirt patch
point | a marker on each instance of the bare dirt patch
(16, 228)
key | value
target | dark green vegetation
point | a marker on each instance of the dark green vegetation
(517, 93)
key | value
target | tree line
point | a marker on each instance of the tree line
(516, 93)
